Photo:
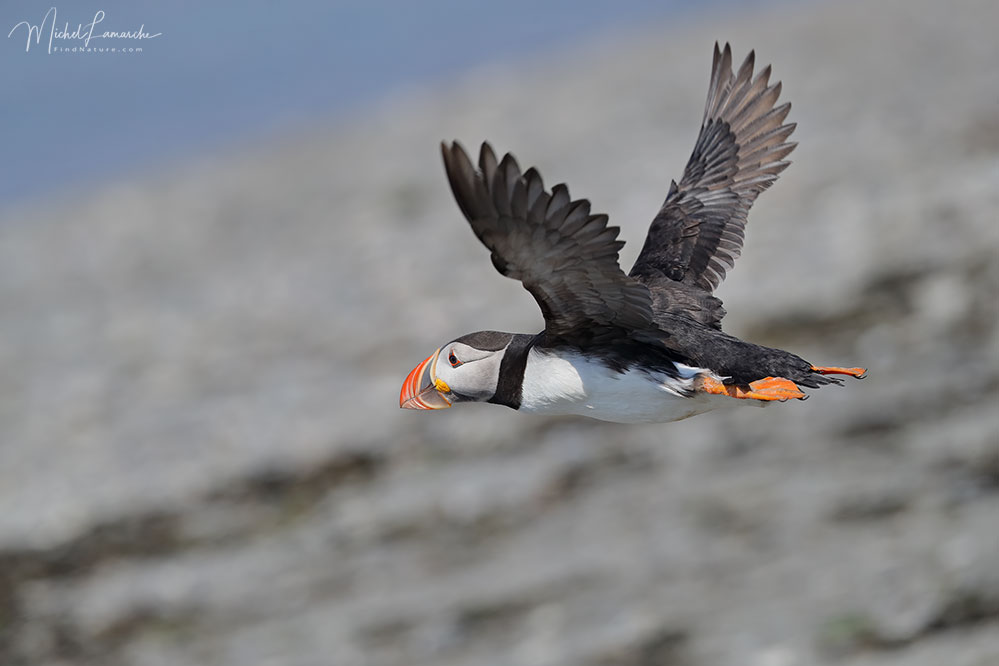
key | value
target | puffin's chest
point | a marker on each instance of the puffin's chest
(558, 383)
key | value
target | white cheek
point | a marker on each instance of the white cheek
(447, 374)
(475, 379)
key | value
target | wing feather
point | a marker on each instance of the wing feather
(564, 255)
(698, 233)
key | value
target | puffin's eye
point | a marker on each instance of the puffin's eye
(453, 360)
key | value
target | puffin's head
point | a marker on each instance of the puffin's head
(463, 370)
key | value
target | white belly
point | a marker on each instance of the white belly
(576, 385)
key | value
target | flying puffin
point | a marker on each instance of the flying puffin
(646, 347)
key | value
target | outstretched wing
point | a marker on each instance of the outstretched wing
(566, 257)
(698, 233)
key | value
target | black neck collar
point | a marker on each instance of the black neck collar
(511, 372)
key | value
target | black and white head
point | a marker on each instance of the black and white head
(464, 370)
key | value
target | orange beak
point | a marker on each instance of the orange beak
(419, 391)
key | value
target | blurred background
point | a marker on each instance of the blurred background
(220, 257)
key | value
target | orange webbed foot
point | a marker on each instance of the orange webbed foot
(768, 389)
(859, 373)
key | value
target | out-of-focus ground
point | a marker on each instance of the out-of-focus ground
(203, 462)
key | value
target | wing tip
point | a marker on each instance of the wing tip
(486, 152)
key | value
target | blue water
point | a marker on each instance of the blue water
(226, 72)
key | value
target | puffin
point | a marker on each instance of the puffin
(641, 347)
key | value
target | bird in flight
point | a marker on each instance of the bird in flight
(642, 347)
